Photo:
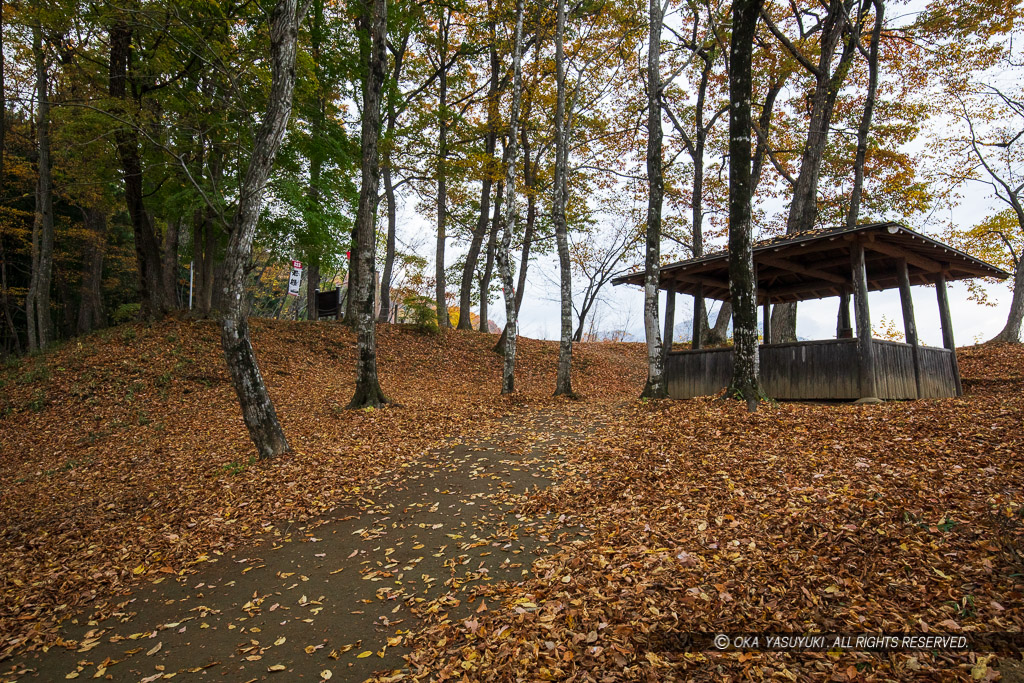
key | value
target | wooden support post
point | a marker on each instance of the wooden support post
(865, 352)
(766, 309)
(844, 330)
(909, 324)
(947, 328)
(698, 316)
(670, 324)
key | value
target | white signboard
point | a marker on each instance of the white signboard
(296, 279)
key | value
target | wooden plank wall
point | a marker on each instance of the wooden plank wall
(818, 370)
(938, 372)
(894, 370)
(698, 373)
(811, 370)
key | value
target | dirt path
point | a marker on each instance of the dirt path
(330, 599)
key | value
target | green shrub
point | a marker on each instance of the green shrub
(421, 313)
(126, 313)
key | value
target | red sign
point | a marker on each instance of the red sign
(297, 265)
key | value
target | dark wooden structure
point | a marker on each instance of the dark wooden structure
(329, 304)
(843, 262)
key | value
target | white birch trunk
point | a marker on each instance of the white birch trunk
(504, 266)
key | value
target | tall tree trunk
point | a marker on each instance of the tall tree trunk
(42, 261)
(4, 299)
(205, 242)
(443, 321)
(314, 250)
(504, 260)
(803, 211)
(719, 334)
(655, 386)
(90, 311)
(490, 144)
(670, 323)
(524, 266)
(147, 246)
(389, 249)
(169, 264)
(742, 282)
(368, 392)
(257, 409)
(1011, 331)
(208, 279)
(492, 245)
(563, 378)
(865, 120)
(312, 269)
(764, 123)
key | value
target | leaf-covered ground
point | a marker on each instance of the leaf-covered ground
(123, 460)
(123, 456)
(904, 517)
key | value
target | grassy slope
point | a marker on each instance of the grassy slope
(123, 454)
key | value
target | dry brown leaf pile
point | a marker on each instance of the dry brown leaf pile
(903, 517)
(123, 456)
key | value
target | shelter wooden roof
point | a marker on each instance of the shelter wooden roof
(815, 264)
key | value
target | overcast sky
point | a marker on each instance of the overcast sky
(622, 307)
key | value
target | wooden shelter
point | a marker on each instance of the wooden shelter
(818, 264)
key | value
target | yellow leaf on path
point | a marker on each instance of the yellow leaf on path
(363, 655)
(156, 648)
(280, 641)
(326, 675)
(276, 667)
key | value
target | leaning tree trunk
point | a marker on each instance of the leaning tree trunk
(1011, 331)
(719, 334)
(655, 386)
(528, 232)
(368, 392)
(563, 379)
(742, 285)
(865, 120)
(490, 143)
(504, 264)
(803, 210)
(257, 408)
